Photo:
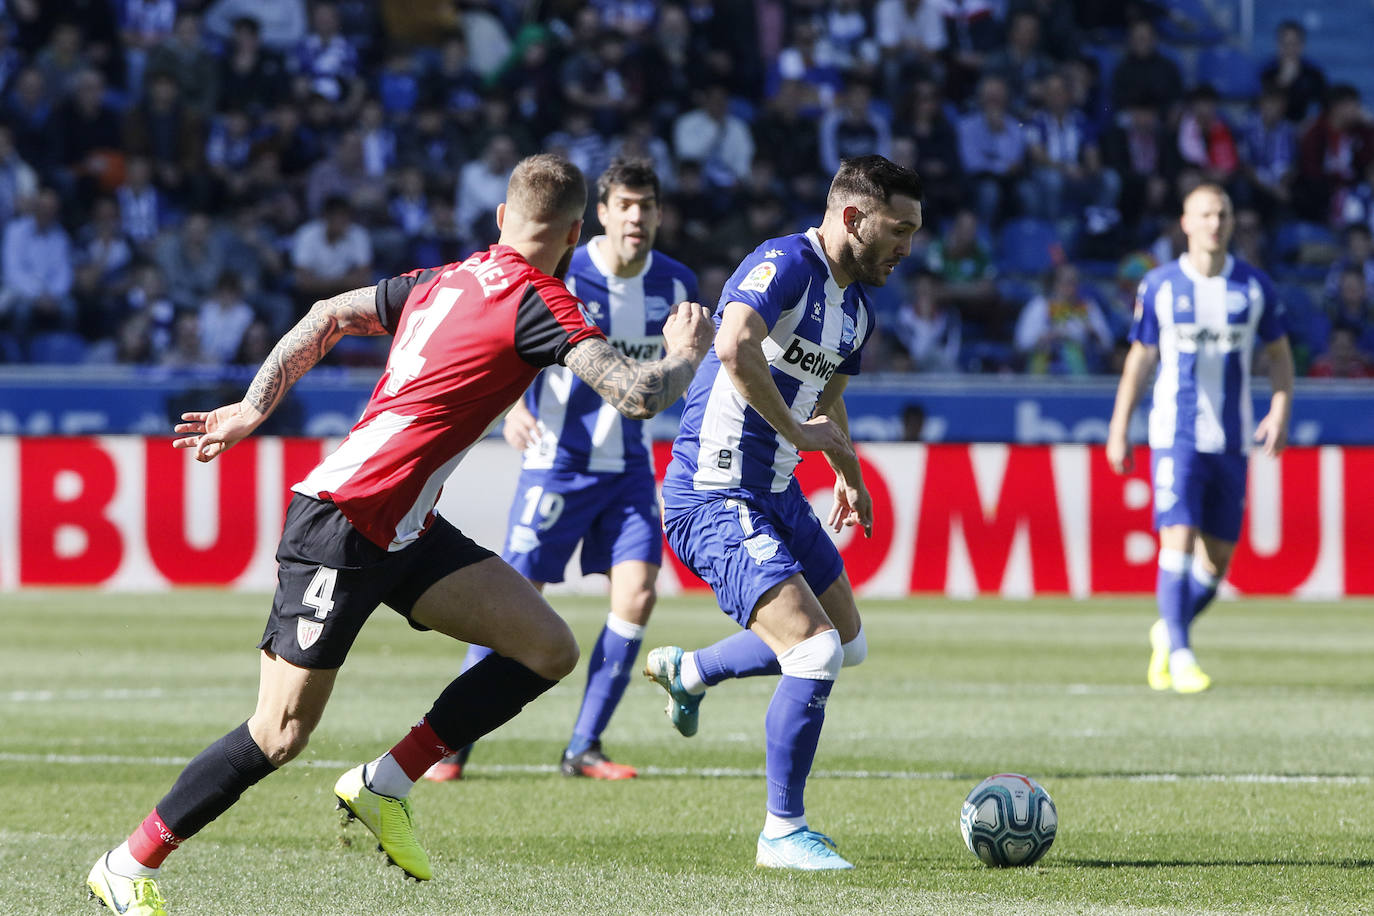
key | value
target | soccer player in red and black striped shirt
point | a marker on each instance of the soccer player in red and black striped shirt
(362, 530)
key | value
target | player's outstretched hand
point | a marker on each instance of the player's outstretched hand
(1120, 454)
(521, 429)
(1272, 434)
(822, 434)
(216, 431)
(852, 506)
(688, 332)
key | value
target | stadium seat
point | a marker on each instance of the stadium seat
(1294, 238)
(1028, 246)
(57, 347)
(1189, 21)
(10, 351)
(1229, 71)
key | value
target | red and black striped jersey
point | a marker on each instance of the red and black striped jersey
(468, 340)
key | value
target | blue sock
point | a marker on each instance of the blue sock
(1171, 592)
(741, 654)
(608, 674)
(792, 729)
(1202, 588)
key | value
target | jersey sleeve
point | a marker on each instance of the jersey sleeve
(1273, 322)
(393, 293)
(768, 285)
(549, 323)
(1145, 324)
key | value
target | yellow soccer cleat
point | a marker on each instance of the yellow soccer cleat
(1158, 673)
(389, 819)
(1190, 678)
(124, 895)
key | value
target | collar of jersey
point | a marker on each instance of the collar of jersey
(833, 291)
(1191, 273)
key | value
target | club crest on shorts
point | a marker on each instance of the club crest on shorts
(762, 548)
(308, 631)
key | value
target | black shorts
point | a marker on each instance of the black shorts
(330, 579)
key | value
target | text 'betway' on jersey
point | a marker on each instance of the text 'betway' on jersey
(810, 359)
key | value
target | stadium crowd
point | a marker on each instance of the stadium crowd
(180, 179)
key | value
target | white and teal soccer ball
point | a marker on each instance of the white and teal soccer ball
(1008, 819)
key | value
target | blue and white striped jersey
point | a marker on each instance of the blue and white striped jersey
(1206, 330)
(580, 431)
(815, 329)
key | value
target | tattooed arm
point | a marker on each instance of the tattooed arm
(353, 312)
(642, 390)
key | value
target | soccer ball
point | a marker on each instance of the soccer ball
(1008, 819)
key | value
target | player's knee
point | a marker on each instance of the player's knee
(555, 658)
(282, 742)
(817, 658)
(855, 651)
(638, 606)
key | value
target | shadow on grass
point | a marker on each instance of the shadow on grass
(1206, 863)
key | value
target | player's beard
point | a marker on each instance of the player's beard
(866, 265)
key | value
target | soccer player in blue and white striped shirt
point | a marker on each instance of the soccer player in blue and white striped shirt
(1200, 318)
(792, 321)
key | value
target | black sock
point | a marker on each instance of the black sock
(213, 781)
(488, 694)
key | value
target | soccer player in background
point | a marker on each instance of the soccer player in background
(588, 471)
(361, 529)
(793, 319)
(1199, 319)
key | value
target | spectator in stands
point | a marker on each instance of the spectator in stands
(190, 260)
(972, 32)
(281, 23)
(1143, 154)
(811, 62)
(18, 182)
(714, 137)
(1351, 303)
(184, 351)
(430, 146)
(639, 141)
(409, 207)
(102, 262)
(1059, 32)
(1269, 152)
(36, 258)
(937, 146)
(11, 58)
(927, 328)
(148, 297)
(1062, 331)
(1067, 166)
(342, 174)
(964, 265)
(229, 152)
(852, 128)
(604, 81)
(378, 139)
(578, 139)
(453, 84)
(249, 74)
(132, 344)
(256, 344)
(1021, 63)
(143, 211)
(791, 139)
(223, 318)
(1343, 357)
(331, 254)
(481, 186)
(1302, 82)
(172, 136)
(1248, 240)
(911, 35)
(62, 60)
(1145, 75)
(183, 55)
(992, 152)
(913, 422)
(1204, 140)
(1333, 154)
(325, 62)
(1357, 254)
(30, 115)
(89, 138)
(847, 29)
(144, 24)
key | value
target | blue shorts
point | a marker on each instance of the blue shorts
(614, 516)
(743, 543)
(1201, 490)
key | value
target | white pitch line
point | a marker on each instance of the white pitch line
(733, 772)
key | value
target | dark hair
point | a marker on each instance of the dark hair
(547, 187)
(872, 178)
(1291, 25)
(1341, 92)
(627, 173)
(1204, 92)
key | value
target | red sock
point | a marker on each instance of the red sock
(152, 841)
(419, 750)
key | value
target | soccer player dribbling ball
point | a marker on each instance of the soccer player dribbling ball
(361, 529)
(1198, 318)
(792, 322)
(588, 474)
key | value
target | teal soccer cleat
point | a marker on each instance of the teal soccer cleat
(664, 667)
(805, 850)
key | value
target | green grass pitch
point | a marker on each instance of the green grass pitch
(1254, 798)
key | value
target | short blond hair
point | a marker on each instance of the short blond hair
(547, 188)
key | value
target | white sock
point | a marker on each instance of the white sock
(385, 777)
(1179, 658)
(623, 628)
(690, 674)
(775, 826)
(122, 862)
